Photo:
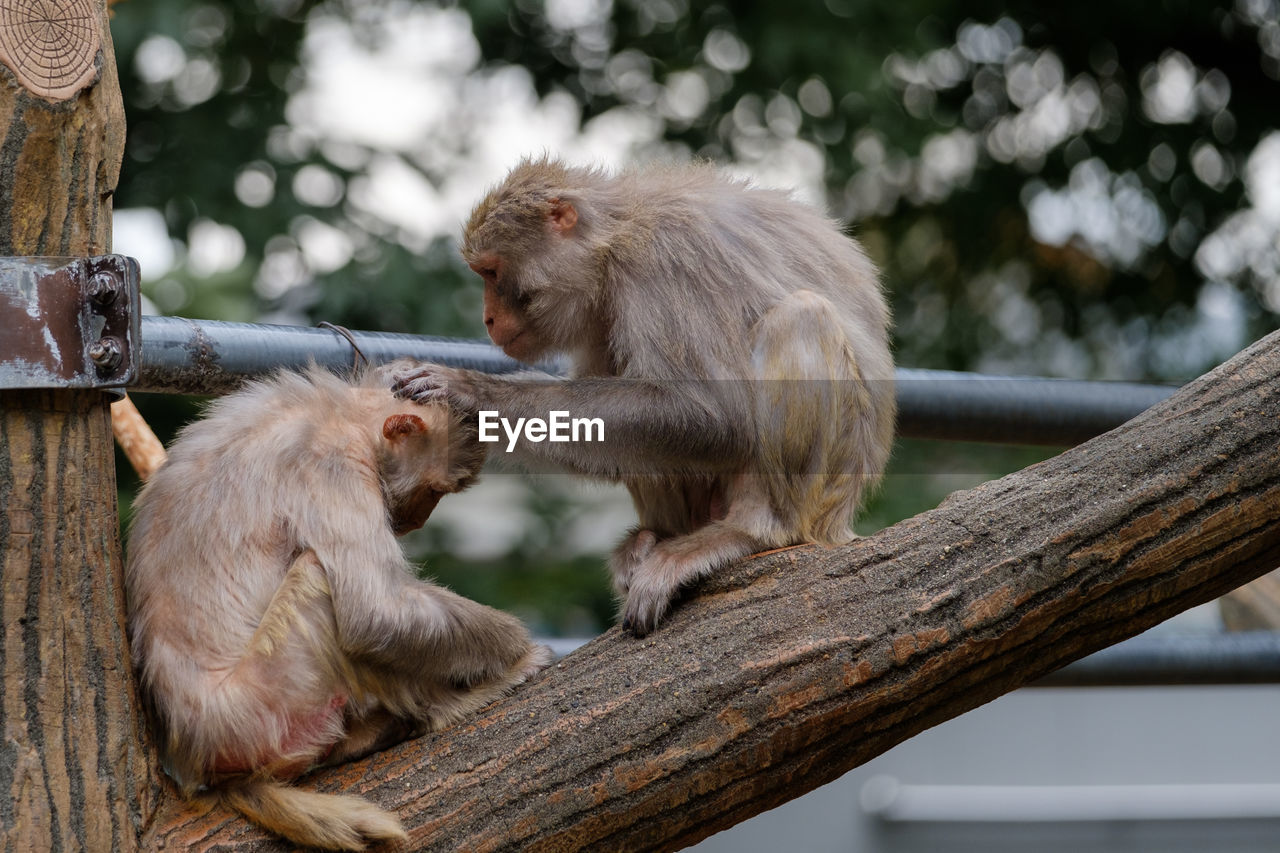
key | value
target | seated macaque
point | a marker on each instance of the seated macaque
(734, 342)
(274, 620)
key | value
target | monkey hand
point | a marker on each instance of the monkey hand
(435, 383)
(647, 600)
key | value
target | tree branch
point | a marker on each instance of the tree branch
(789, 669)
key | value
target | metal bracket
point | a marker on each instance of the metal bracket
(69, 322)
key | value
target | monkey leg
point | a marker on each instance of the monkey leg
(667, 506)
(433, 656)
(379, 729)
(281, 708)
(376, 731)
(674, 563)
(300, 610)
(444, 705)
(818, 438)
(629, 554)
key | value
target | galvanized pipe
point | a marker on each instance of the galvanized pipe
(1246, 657)
(955, 406)
(210, 357)
(182, 356)
(894, 802)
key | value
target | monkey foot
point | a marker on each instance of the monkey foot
(538, 659)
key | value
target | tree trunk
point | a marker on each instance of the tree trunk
(785, 671)
(73, 769)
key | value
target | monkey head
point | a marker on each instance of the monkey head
(426, 451)
(531, 241)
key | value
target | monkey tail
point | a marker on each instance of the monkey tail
(327, 821)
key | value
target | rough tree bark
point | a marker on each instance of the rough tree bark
(791, 668)
(74, 773)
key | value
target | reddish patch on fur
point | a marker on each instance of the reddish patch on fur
(304, 736)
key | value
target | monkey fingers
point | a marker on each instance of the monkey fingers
(649, 597)
(629, 554)
(421, 389)
(435, 383)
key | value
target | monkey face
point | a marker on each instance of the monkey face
(411, 511)
(506, 316)
(525, 242)
(425, 453)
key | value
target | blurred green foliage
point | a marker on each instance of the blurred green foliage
(1073, 189)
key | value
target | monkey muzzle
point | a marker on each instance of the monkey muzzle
(414, 511)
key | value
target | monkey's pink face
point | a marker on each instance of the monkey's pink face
(413, 512)
(506, 324)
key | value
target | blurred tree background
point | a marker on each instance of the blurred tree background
(1088, 191)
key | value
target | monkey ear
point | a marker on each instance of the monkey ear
(402, 426)
(563, 216)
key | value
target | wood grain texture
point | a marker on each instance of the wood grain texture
(787, 670)
(72, 766)
(75, 773)
(50, 45)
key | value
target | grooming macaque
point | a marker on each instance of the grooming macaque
(274, 620)
(733, 341)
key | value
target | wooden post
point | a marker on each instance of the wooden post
(74, 770)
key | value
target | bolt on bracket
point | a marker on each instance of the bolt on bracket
(69, 322)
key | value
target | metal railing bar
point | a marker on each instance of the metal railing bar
(186, 356)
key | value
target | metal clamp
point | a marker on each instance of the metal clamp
(69, 322)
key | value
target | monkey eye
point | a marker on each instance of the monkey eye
(487, 269)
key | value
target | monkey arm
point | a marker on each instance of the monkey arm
(649, 427)
(686, 426)
(388, 619)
